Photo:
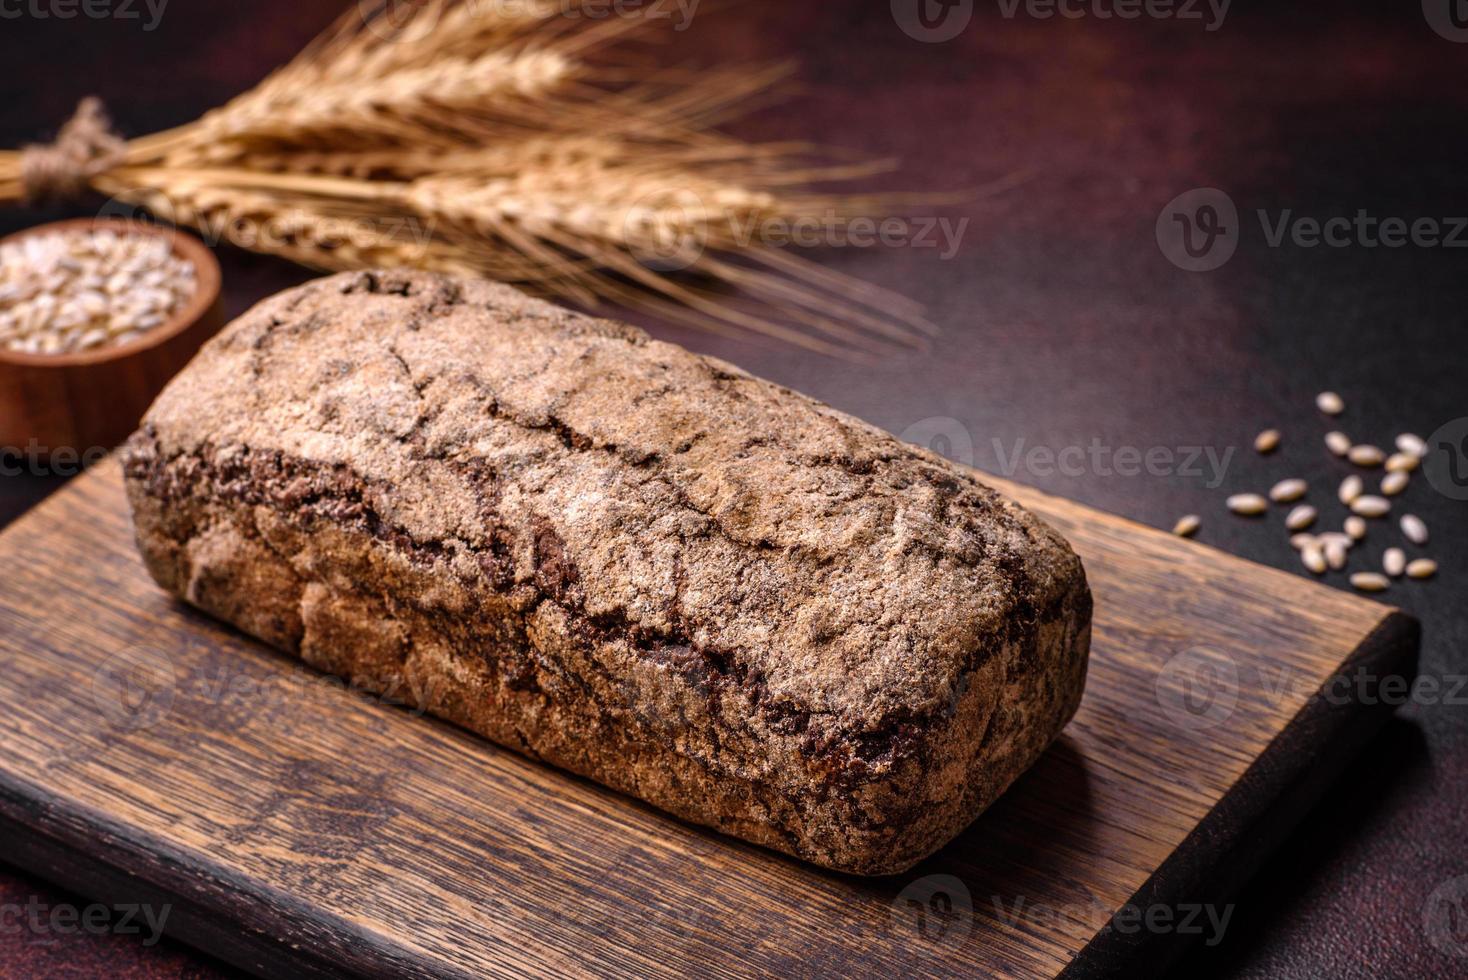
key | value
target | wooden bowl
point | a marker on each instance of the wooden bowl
(93, 399)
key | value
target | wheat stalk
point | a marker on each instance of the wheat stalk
(503, 140)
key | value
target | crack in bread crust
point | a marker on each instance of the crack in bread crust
(556, 527)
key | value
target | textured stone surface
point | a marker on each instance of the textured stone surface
(604, 551)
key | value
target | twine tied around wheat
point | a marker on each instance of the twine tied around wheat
(509, 141)
(85, 147)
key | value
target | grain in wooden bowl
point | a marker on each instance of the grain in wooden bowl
(96, 314)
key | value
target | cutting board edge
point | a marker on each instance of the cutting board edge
(76, 848)
(1282, 784)
(59, 843)
(1384, 644)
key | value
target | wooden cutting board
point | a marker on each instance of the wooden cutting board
(296, 827)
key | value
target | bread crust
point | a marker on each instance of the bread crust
(628, 560)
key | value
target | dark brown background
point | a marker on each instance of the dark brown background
(1063, 322)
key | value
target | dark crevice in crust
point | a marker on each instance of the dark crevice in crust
(302, 492)
(947, 488)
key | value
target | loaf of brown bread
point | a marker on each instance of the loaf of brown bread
(606, 552)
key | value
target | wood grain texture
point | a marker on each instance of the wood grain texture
(305, 828)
